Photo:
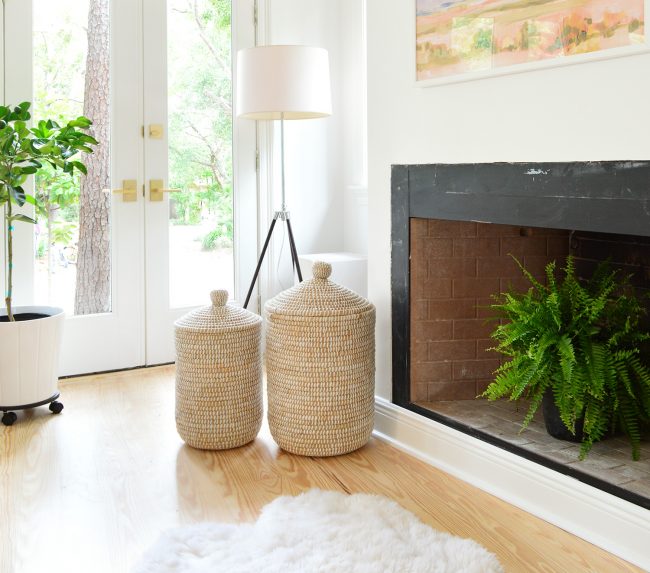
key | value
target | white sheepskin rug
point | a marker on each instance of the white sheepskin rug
(319, 531)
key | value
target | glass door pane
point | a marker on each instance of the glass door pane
(202, 236)
(199, 80)
(71, 75)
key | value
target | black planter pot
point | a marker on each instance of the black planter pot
(24, 316)
(554, 424)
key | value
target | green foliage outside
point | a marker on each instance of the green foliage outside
(58, 94)
(580, 339)
(221, 236)
(200, 118)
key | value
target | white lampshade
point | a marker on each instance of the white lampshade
(290, 82)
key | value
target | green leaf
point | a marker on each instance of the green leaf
(81, 121)
(80, 166)
(17, 194)
(23, 218)
(87, 139)
(83, 148)
(8, 146)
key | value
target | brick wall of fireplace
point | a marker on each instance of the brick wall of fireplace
(455, 268)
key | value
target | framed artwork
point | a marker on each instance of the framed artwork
(460, 40)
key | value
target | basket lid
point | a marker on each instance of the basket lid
(318, 296)
(218, 316)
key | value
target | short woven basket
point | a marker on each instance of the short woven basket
(218, 375)
(320, 362)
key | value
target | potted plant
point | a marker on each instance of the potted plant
(574, 346)
(30, 336)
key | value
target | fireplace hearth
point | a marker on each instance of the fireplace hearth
(454, 228)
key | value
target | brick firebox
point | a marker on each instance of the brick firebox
(455, 268)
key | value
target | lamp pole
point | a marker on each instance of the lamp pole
(283, 204)
(283, 215)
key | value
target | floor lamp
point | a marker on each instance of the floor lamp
(282, 83)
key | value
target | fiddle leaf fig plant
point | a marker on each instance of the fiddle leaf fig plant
(23, 152)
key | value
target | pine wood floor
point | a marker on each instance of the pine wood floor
(91, 489)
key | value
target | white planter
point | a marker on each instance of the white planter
(29, 357)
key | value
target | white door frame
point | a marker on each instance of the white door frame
(160, 317)
(120, 334)
(17, 79)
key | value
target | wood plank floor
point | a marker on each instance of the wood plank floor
(91, 489)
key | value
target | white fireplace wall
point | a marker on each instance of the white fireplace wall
(590, 111)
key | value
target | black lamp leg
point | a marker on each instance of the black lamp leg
(259, 263)
(294, 251)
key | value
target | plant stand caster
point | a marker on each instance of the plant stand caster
(9, 418)
(56, 407)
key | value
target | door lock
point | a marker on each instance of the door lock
(156, 191)
(156, 131)
(129, 190)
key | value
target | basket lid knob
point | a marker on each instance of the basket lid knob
(219, 297)
(321, 270)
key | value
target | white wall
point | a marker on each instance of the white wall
(590, 111)
(352, 29)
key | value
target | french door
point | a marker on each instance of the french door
(168, 210)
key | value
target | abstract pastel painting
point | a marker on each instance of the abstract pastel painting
(461, 36)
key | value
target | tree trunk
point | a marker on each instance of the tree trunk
(93, 289)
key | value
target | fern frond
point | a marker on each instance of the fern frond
(534, 405)
(533, 281)
(567, 357)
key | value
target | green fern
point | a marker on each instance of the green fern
(581, 339)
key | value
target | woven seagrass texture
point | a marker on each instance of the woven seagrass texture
(218, 375)
(320, 363)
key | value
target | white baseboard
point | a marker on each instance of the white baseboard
(607, 521)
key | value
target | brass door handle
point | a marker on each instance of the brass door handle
(129, 190)
(156, 190)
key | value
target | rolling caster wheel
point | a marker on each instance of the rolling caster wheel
(56, 407)
(9, 418)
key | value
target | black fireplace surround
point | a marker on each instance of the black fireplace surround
(599, 196)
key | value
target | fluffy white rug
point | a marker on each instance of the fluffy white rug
(319, 531)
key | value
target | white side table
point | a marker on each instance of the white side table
(348, 269)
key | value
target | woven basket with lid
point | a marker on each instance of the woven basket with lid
(320, 366)
(218, 375)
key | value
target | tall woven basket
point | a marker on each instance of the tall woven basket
(320, 362)
(218, 375)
